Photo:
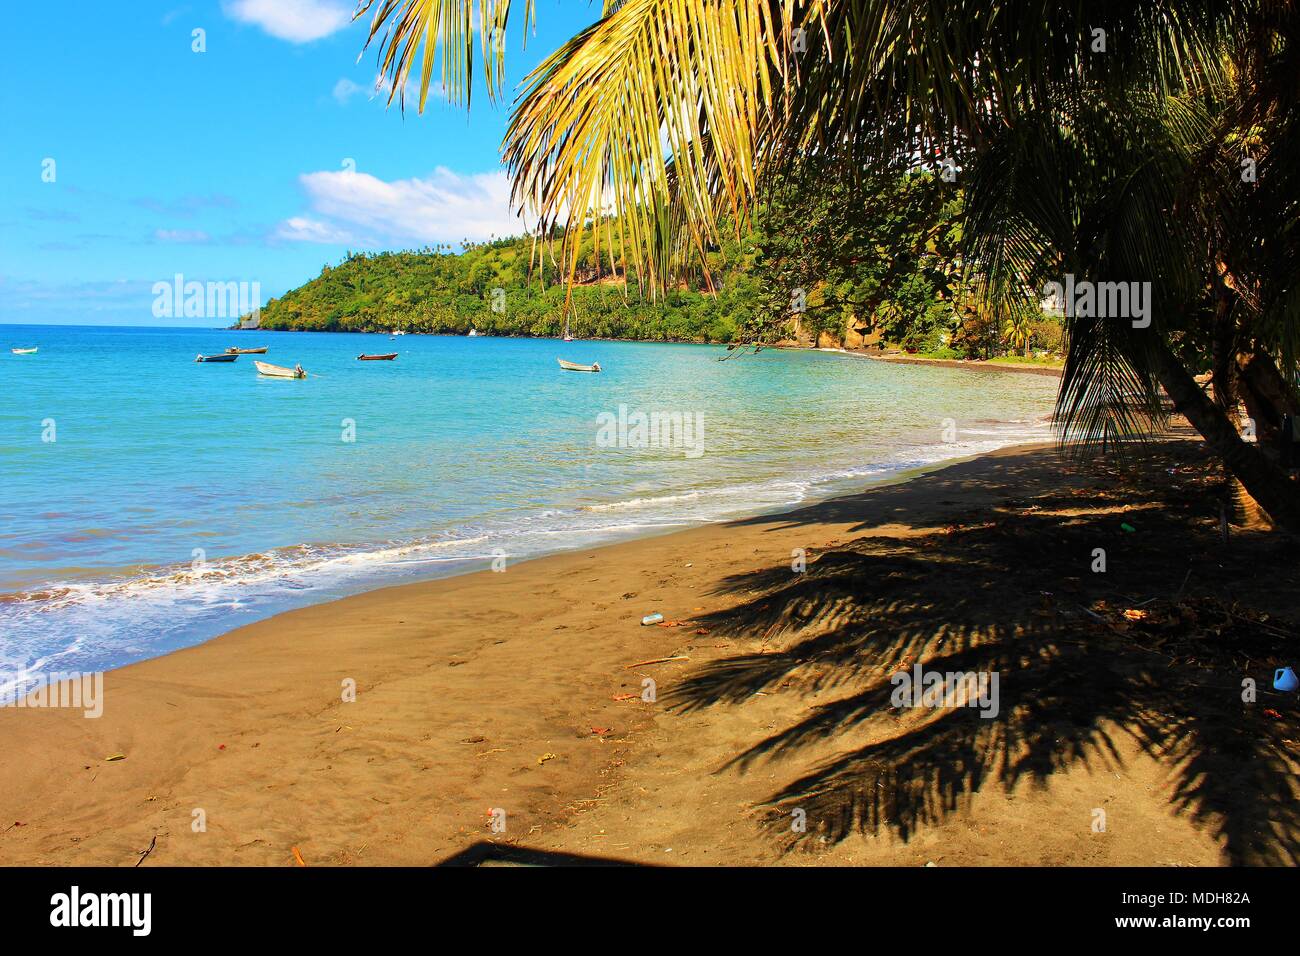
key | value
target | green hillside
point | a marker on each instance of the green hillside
(874, 263)
(436, 290)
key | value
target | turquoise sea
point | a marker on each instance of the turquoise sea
(148, 502)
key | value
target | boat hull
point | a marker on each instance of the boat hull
(216, 358)
(278, 371)
(575, 367)
(377, 358)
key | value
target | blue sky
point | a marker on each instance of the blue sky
(229, 164)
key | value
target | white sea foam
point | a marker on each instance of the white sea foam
(105, 623)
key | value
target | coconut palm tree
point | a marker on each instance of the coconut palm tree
(1093, 139)
(1166, 197)
(1017, 331)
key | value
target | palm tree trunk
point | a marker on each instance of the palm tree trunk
(1267, 393)
(1224, 351)
(1243, 509)
(1267, 483)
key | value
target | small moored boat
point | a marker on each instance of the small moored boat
(575, 367)
(227, 357)
(23, 351)
(234, 351)
(279, 371)
(387, 357)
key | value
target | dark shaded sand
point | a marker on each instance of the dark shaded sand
(497, 690)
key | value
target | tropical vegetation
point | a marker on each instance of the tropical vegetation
(491, 288)
(1145, 144)
(889, 274)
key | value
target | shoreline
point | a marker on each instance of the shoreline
(897, 358)
(991, 365)
(521, 691)
(377, 578)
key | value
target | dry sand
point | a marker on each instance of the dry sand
(970, 365)
(499, 691)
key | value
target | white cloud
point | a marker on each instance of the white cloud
(302, 229)
(444, 206)
(298, 21)
(345, 89)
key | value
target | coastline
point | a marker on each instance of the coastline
(897, 358)
(520, 691)
(969, 364)
(84, 605)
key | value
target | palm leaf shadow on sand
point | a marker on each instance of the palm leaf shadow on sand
(1007, 590)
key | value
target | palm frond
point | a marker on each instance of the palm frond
(656, 113)
(1076, 194)
(441, 31)
(668, 113)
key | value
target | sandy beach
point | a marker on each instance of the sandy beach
(902, 358)
(1120, 739)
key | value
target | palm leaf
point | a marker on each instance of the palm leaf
(655, 113)
(433, 30)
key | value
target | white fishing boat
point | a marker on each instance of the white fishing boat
(575, 367)
(279, 371)
(23, 351)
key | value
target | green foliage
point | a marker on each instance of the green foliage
(878, 256)
(873, 255)
(437, 291)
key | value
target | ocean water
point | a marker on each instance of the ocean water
(179, 500)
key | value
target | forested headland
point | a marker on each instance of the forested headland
(817, 266)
